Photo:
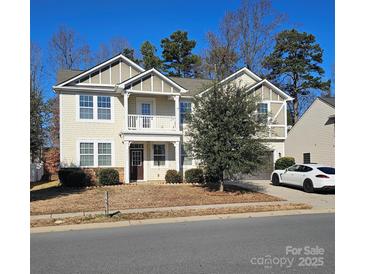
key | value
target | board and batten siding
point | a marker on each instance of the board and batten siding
(314, 134)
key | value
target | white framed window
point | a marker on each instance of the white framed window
(86, 154)
(159, 155)
(95, 108)
(185, 107)
(186, 159)
(262, 112)
(95, 153)
(104, 154)
(86, 107)
(104, 108)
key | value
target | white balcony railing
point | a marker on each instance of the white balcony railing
(151, 122)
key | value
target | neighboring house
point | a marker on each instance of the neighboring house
(312, 138)
(119, 115)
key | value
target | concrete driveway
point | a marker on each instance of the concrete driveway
(321, 200)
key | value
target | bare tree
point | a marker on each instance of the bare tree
(257, 22)
(118, 44)
(115, 46)
(67, 50)
(221, 58)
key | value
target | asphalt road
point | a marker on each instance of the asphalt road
(250, 245)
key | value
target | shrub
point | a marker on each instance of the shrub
(284, 162)
(210, 177)
(173, 177)
(194, 175)
(73, 177)
(108, 176)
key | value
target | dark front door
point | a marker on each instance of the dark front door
(136, 164)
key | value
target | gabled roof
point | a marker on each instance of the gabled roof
(149, 72)
(95, 68)
(328, 100)
(282, 93)
(193, 85)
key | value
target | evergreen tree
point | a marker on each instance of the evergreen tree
(129, 53)
(149, 59)
(294, 65)
(223, 131)
(178, 57)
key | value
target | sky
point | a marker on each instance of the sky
(98, 21)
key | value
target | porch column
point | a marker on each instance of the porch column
(126, 161)
(177, 112)
(177, 155)
(126, 95)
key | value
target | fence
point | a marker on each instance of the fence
(36, 172)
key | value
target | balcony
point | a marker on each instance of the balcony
(151, 122)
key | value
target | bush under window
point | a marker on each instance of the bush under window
(173, 177)
(73, 177)
(108, 176)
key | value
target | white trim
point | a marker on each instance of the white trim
(86, 89)
(90, 71)
(151, 71)
(151, 92)
(140, 100)
(95, 142)
(166, 155)
(61, 130)
(95, 109)
(278, 91)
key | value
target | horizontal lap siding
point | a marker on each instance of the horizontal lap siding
(73, 130)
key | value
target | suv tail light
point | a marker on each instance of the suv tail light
(322, 176)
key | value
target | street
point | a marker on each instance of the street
(299, 243)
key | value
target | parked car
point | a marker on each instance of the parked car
(308, 176)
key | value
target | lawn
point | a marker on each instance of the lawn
(55, 199)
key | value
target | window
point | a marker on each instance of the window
(159, 156)
(104, 108)
(104, 154)
(185, 107)
(262, 112)
(86, 107)
(306, 158)
(86, 154)
(293, 168)
(327, 170)
(304, 168)
(186, 159)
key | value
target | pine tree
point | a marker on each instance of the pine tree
(294, 65)
(223, 131)
(178, 57)
(149, 58)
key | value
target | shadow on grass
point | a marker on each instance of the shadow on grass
(229, 187)
(53, 192)
(317, 191)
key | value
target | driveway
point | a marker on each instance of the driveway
(321, 200)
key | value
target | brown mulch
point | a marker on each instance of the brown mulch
(166, 214)
(61, 200)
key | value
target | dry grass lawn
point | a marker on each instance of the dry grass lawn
(56, 199)
(167, 214)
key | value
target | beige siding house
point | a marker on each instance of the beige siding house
(119, 115)
(312, 138)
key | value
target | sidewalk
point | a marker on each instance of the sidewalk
(141, 210)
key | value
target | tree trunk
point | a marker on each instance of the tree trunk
(221, 186)
(295, 111)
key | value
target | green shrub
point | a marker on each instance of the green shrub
(173, 177)
(73, 177)
(284, 162)
(108, 176)
(194, 175)
(211, 177)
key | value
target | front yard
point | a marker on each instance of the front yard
(55, 199)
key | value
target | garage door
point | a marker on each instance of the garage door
(264, 172)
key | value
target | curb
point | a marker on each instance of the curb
(47, 229)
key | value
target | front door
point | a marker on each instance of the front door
(136, 164)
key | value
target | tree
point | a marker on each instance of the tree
(149, 58)
(38, 110)
(129, 53)
(294, 65)
(178, 57)
(115, 46)
(221, 57)
(68, 51)
(256, 25)
(225, 140)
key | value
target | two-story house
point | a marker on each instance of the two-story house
(117, 114)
